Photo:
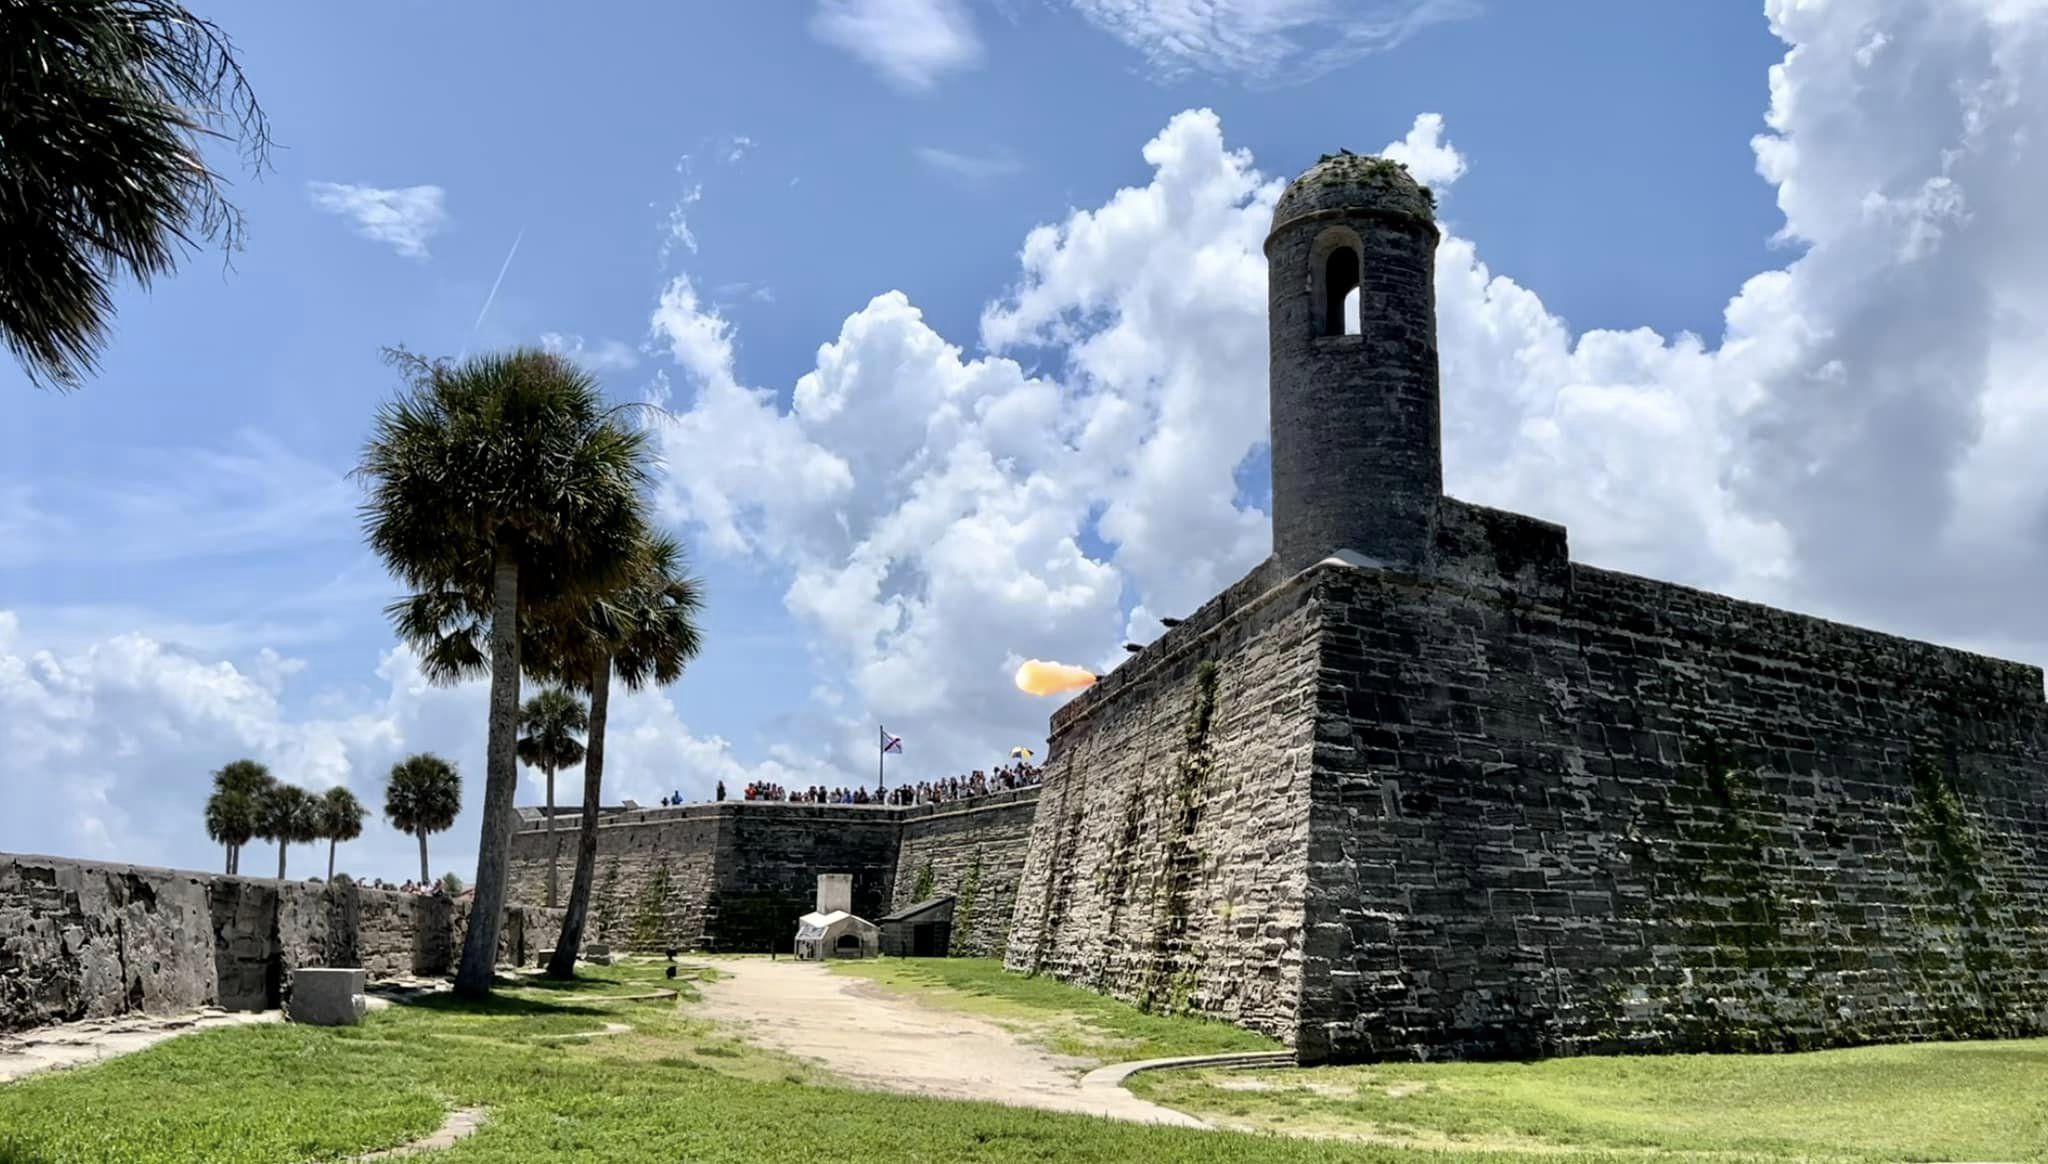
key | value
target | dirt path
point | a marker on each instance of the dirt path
(883, 1040)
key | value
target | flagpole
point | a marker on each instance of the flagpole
(881, 757)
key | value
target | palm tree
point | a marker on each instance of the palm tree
(231, 812)
(552, 720)
(341, 819)
(230, 821)
(643, 633)
(423, 796)
(287, 814)
(500, 488)
(103, 108)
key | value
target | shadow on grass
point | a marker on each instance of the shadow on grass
(13, 1154)
(543, 983)
(495, 1005)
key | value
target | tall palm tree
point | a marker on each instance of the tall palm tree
(230, 822)
(423, 796)
(552, 722)
(341, 819)
(499, 488)
(644, 632)
(231, 812)
(104, 105)
(289, 815)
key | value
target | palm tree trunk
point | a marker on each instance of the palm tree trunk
(554, 856)
(235, 858)
(563, 963)
(331, 842)
(423, 856)
(501, 782)
(230, 851)
(281, 847)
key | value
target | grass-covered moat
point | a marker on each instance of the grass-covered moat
(675, 1088)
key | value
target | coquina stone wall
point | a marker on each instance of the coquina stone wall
(1168, 861)
(1627, 815)
(972, 850)
(81, 940)
(736, 875)
(1518, 806)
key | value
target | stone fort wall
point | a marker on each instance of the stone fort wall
(1528, 807)
(735, 875)
(81, 940)
(1637, 816)
(1169, 860)
(972, 851)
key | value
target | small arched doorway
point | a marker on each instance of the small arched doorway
(848, 946)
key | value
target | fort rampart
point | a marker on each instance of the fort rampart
(735, 875)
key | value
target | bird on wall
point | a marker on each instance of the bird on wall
(1169, 623)
(1133, 648)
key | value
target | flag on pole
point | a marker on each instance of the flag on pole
(1020, 753)
(892, 743)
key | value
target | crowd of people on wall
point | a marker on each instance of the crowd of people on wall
(424, 889)
(977, 783)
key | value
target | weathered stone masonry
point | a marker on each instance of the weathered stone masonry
(79, 940)
(1422, 786)
(735, 875)
(973, 852)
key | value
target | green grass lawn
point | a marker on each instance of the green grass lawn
(1063, 1018)
(675, 1088)
(1954, 1101)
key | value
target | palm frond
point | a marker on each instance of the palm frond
(104, 108)
(424, 794)
(341, 815)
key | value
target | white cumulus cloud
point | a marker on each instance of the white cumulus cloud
(135, 727)
(1855, 443)
(404, 218)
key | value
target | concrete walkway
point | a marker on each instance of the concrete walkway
(879, 1039)
(75, 1044)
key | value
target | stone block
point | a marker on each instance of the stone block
(325, 996)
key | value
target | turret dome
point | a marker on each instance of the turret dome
(1348, 181)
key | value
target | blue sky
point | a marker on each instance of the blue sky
(181, 567)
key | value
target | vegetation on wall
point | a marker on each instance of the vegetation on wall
(650, 924)
(608, 899)
(1170, 973)
(926, 880)
(1938, 810)
(963, 908)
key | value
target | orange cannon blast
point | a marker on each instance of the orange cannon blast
(1038, 677)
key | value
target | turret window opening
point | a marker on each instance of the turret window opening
(1340, 290)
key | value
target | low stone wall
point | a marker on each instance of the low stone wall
(80, 940)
